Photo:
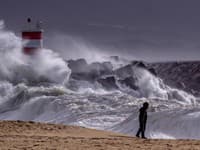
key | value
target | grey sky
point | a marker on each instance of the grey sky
(153, 30)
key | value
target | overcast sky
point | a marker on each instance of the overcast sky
(152, 30)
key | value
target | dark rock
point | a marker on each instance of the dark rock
(124, 72)
(139, 64)
(78, 66)
(115, 58)
(108, 83)
(100, 68)
(152, 71)
(89, 72)
(130, 82)
(181, 75)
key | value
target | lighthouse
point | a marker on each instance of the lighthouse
(32, 37)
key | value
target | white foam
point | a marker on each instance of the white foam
(172, 114)
(14, 65)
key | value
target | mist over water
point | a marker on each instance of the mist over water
(73, 47)
(14, 65)
(43, 88)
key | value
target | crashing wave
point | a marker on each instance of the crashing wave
(104, 95)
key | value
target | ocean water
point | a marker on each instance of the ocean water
(38, 88)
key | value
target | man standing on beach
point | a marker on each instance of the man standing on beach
(142, 120)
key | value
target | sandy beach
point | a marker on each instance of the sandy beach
(16, 135)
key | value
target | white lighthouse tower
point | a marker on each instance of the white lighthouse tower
(32, 37)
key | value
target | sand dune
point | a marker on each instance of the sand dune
(31, 135)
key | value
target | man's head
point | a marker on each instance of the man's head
(145, 105)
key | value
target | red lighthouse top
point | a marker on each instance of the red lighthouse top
(32, 37)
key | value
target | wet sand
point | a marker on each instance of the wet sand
(17, 135)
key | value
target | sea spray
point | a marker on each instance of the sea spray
(50, 65)
(24, 95)
(151, 86)
(17, 67)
